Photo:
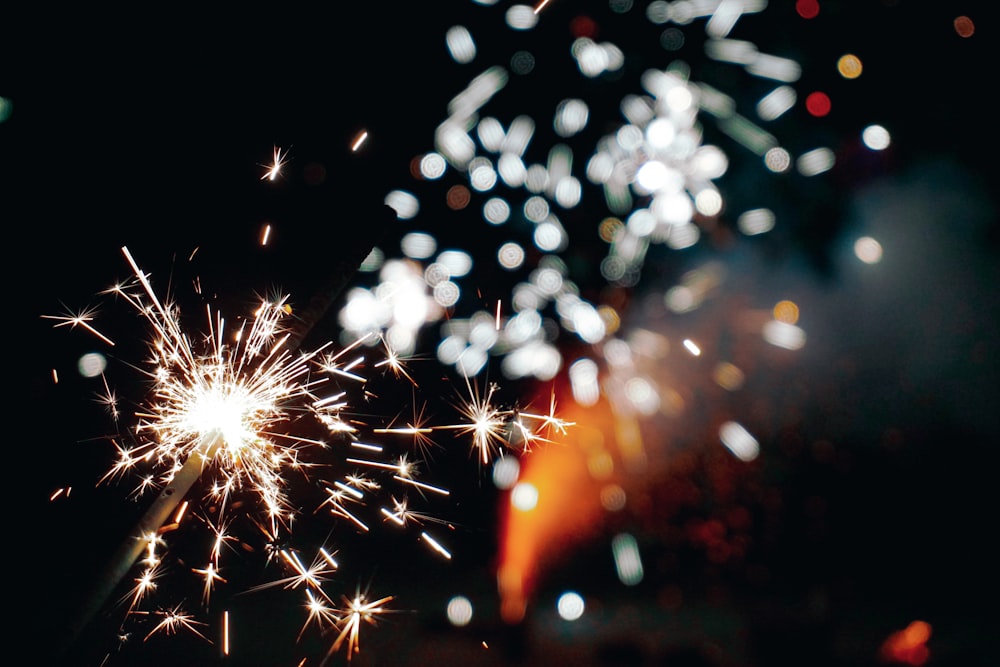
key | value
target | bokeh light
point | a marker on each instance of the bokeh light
(570, 606)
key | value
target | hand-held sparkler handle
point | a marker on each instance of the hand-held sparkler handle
(151, 522)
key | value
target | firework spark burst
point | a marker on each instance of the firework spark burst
(223, 413)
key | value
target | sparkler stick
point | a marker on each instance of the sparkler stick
(148, 525)
(359, 244)
(352, 252)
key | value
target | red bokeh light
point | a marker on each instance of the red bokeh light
(818, 104)
(807, 9)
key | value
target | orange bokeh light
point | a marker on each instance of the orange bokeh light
(568, 509)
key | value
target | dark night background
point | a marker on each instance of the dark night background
(872, 504)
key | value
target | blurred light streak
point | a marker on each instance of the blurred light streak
(815, 162)
(628, 561)
(739, 441)
(692, 347)
(461, 46)
(773, 105)
(583, 375)
(782, 334)
(436, 545)
(756, 221)
(359, 141)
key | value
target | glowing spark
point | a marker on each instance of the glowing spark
(319, 612)
(416, 428)
(356, 611)
(225, 632)
(80, 319)
(486, 422)
(421, 485)
(359, 140)
(211, 575)
(175, 620)
(550, 422)
(143, 585)
(436, 545)
(180, 512)
(274, 169)
(395, 363)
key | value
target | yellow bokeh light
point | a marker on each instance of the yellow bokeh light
(786, 311)
(849, 66)
(608, 229)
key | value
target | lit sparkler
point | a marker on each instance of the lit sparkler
(220, 410)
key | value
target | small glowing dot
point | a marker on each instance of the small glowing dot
(964, 26)
(613, 498)
(458, 197)
(777, 160)
(807, 9)
(786, 311)
(505, 472)
(524, 496)
(609, 228)
(459, 611)
(692, 347)
(875, 137)
(739, 441)
(432, 166)
(404, 203)
(708, 202)
(868, 250)
(418, 245)
(521, 17)
(728, 376)
(818, 104)
(510, 255)
(447, 293)
(570, 606)
(755, 221)
(849, 66)
(496, 211)
(460, 44)
(92, 364)
(522, 62)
